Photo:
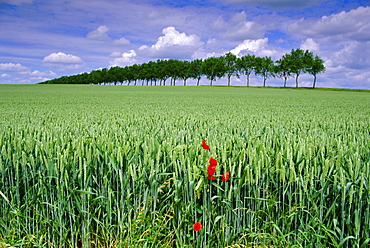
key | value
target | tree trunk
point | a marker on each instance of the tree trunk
(198, 81)
(228, 80)
(211, 82)
(314, 81)
(248, 80)
(296, 81)
(264, 82)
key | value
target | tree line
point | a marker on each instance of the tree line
(167, 72)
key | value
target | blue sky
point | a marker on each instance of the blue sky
(41, 40)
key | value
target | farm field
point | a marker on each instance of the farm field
(122, 166)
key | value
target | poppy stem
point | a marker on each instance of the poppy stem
(210, 208)
(204, 244)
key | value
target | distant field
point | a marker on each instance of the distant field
(120, 166)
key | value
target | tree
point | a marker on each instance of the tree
(195, 69)
(98, 76)
(173, 70)
(230, 66)
(246, 64)
(265, 68)
(152, 71)
(298, 62)
(213, 68)
(133, 73)
(162, 71)
(316, 66)
(283, 68)
(115, 76)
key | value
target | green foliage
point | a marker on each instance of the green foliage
(212, 68)
(297, 62)
(316, 65)
(84, 166)
(246, 64)
(230, 66)
(265, 67)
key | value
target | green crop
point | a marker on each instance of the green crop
(119, 166)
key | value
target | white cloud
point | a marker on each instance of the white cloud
(173, 44)
(250, 45)
(310, 45)
(122, 41)
(99, 34)
(125, 59)
(259, 48)
(62, 58)
(115, 55)
(13, 67)
(4, 75)
(354, 55)
(37, 73)
(343, 77)
(39, 79)
(211, 42)
(351, 25)
(237, 28)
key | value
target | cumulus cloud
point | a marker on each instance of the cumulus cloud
(250, 45)
(237, 28)
(62, 58)
(115, 54)
(99, 34)
(125, 59)
(310, 45)
(343, 77)
(354, 55)
(4, 75)
(353, 25)
(173, 44)
(63, 61)
(39, 79)
(38, 73)
(122, 42)
(13, 67)
(257, 47)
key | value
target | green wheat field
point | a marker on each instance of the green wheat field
(122, 166)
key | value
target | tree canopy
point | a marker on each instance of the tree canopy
(157, 72)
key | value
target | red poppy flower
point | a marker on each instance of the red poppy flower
(211, 170)
(204, 145)
(225, 177)
(213, 162)
(197, 226)
(211, 178)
